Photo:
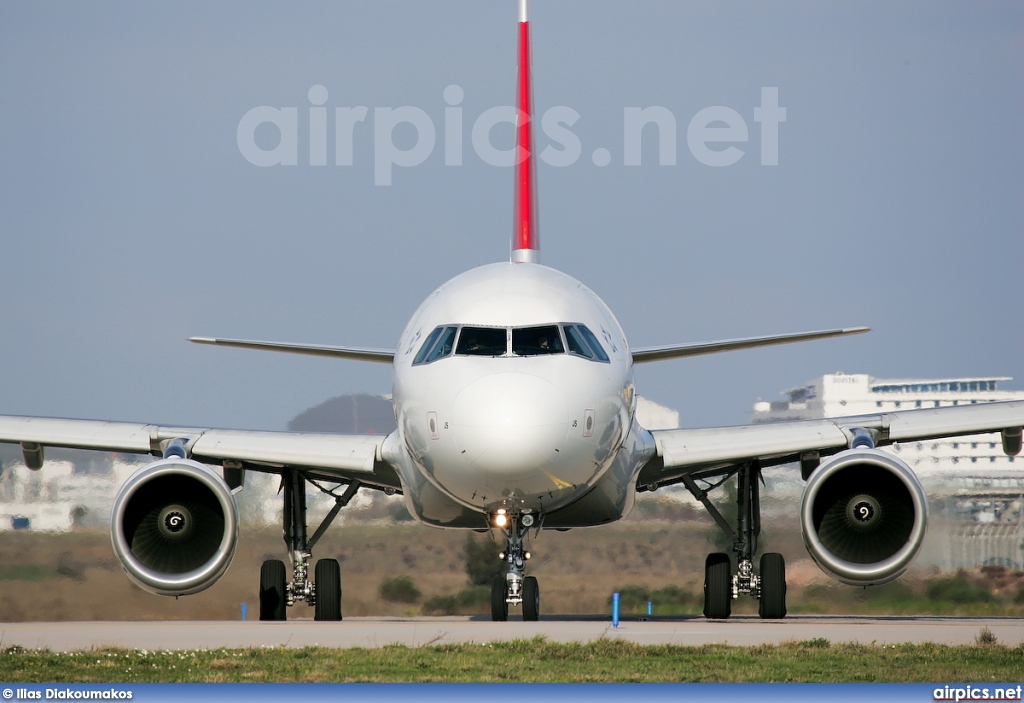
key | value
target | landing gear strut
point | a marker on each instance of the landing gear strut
(323, 592)
(721, 586)
(515, 589)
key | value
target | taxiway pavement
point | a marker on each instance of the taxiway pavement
(418, 632)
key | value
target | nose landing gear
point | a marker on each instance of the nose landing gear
(515, 588)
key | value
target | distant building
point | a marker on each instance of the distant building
(837, 394)
(652, 416)
(60, 497)
(970, 481)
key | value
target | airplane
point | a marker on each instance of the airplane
(516, 412)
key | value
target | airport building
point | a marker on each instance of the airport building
(63, 495)
(974, 489)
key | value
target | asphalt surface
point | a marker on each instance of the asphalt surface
(418, 632)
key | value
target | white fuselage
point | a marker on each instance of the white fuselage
(514, 427)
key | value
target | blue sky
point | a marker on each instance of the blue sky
(131, 220)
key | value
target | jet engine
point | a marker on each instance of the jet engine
(174, 527)
(863, 516)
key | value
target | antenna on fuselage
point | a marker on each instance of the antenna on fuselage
(525, 235)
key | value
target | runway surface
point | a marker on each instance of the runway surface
(418, 632)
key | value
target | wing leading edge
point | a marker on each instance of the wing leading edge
(328, 456)
(380, 356)
(677, 351)
(686, 451)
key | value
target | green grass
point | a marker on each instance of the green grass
(953, 595)
(534, 660)
(468, 601)
(949, 596)
(26, 572)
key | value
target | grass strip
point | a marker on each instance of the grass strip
(534, 660)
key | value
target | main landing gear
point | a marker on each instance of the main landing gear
(323, 592)
(721, 586)
(514, 588)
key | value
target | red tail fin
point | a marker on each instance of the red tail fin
(525, 237)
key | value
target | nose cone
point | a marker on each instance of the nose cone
(509, 426)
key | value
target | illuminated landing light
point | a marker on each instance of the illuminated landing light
(500, 518)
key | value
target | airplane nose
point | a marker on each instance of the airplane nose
(508, 426)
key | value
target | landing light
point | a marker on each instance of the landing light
(527, 520)
(500, 520)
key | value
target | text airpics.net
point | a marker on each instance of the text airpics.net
(712, 134)
(978, 693)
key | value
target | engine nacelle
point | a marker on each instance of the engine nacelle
(174, 527)
(863, 515)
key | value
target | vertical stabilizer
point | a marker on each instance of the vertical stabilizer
(525, 237)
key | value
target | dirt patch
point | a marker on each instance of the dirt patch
(76, 577)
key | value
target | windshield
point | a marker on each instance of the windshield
(427, 346)
(438, 345)
(576, 343)
(482, 341)
(531, 341)
(578, 340)
(593, 343)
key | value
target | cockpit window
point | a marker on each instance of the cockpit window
(427, 346)
(482, 341)
(593, 343)
(526, 341)
(444, 345)
(531, 341)
(438, 345)
(574, 340)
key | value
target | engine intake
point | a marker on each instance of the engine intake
(174, 527)
(863, 515)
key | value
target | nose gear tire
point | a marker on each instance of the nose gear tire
(499, 606)
(531, 598)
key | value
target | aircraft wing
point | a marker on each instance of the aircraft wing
(326, 456)
(716, 450)
(677, 351)
(382, 356)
